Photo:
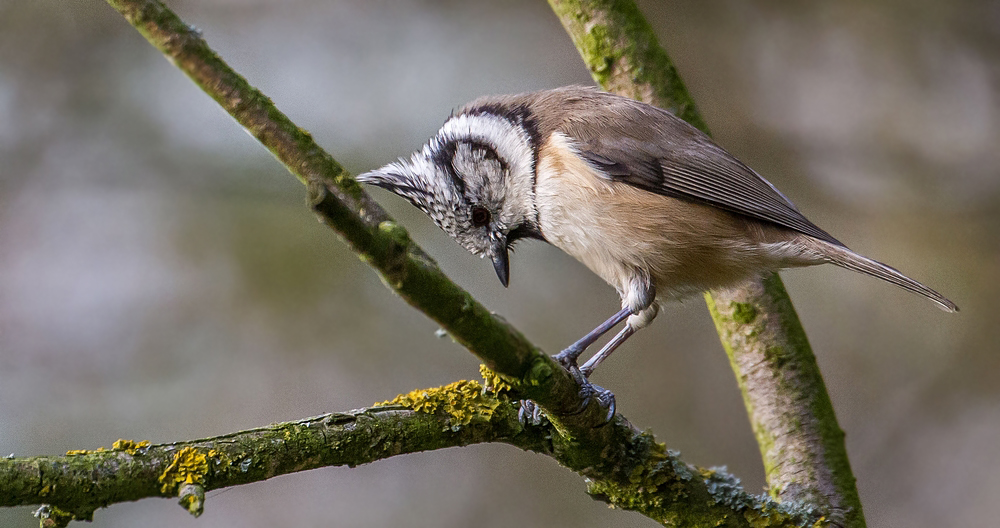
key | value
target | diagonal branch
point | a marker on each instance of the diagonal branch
(786, 399)
(341, 204)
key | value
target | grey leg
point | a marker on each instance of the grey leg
(588, 368)
(530, 413)
(569, 356)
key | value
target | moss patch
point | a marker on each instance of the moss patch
(743, 313)
(52, 517)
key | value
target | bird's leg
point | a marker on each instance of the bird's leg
(587, 389)
(610, 347)
(569, 356)
(531, 413)
(637, 298)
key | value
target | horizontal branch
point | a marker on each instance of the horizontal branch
(460, 414)
(82, 481)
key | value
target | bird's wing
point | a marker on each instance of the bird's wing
(651, 149)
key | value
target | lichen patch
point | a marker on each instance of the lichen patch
(188, 467)
(463, 402)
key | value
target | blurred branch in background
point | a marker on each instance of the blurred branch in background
(626, 468)
(803, 447)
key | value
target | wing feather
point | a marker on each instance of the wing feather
(649, 148)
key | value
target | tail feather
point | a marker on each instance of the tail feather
(845, 258)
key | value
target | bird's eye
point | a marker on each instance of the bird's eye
(480, 216)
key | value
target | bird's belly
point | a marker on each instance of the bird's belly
(619, 231)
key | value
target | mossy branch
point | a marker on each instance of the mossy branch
(82, 481)
(652, 480)
(343, 205)
(786, 399)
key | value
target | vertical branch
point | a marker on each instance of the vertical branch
(786, 399)
(789, 409)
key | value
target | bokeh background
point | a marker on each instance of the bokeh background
(161, 279)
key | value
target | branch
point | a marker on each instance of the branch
(82, 481)
(790, 411)
(341, 204)
(459, 414)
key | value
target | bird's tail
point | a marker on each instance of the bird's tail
(845, 258)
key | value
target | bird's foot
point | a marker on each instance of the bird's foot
(531, 413)
(567, 358)
(605, 398)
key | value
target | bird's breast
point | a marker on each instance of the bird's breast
(618, 230)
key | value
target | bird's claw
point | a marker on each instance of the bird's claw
(605, 398)
(530, 413)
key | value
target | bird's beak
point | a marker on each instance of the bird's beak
(501, 263)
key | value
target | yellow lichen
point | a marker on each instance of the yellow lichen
(495, 382)
(129, 446)
(72, 452)
(188, 467)
(463, 401)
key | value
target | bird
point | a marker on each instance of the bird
(646, 201)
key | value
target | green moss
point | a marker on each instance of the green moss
(777, 356)
(743, 313)
(192, 499)
(598, 52)
(52, 517)
(396, 232)
(644, 492)
(540, 373)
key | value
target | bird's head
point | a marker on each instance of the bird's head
(474, 179)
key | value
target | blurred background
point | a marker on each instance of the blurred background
(161, 278)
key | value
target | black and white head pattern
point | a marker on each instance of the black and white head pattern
(474, 178)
